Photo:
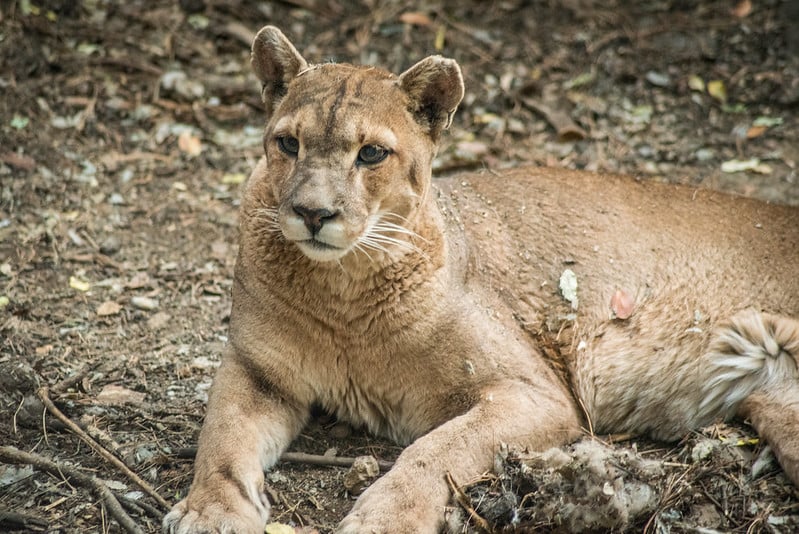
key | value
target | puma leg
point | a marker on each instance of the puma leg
(246, 429)
(411, 498)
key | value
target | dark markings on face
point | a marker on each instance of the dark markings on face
(331, 119)
(413, 174)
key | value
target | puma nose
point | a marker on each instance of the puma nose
(314, 218)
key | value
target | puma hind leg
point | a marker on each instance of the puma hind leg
(650, 386)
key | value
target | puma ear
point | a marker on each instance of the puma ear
(435, 86)
(276, 62)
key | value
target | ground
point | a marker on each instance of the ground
(126, 129)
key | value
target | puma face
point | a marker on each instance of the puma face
(349, 149)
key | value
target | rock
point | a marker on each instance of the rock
(363, 471)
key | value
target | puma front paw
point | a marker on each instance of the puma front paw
(223, 510)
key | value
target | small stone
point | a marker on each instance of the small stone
(110, 245)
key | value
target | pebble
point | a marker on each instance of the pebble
(110, 245)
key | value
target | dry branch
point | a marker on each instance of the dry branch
(303, 458)
(44, 395)
(466, 504)
(12, 455)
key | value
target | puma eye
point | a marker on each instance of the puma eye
(289, 145)
(372, 154)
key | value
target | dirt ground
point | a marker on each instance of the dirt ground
(126, 129)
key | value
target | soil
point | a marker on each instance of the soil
(126, 129)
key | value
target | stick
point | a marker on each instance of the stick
(466, 504)
(12, 455)
(44, 395)
(566, 129)
(303, 458)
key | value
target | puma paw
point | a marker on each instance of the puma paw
(378, 511)
(202, 514)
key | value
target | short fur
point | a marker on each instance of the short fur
(432, 314)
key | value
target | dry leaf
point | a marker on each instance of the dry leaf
(233, 177)
(115, 395)
(441, 34)
(696, 83)
(44, 350)
(622, 304)
(754, 164)
(77, 283)
(279, 528)
(190, 144)
(717, 90)
(109, 307)
(416, 18)
(755, 131)
(742, 9)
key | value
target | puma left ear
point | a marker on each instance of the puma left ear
(276, 62)
(435, 86)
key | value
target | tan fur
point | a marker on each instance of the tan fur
(432, 315)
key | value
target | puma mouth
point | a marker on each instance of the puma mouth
(319, 250)
(319, 245)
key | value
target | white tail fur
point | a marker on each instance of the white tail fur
(753, 352)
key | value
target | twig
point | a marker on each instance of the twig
(17, 520)
(466, 504)
(303, 458)
(44, 395)
(12, 455)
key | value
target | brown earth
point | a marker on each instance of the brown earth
(126, 128)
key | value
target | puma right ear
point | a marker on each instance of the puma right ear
(435, 86)
(276, 62)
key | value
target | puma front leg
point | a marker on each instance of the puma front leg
(246, 428)
(411, 498)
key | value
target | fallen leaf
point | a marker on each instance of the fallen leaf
(20, 161)
(158, 320)
(756, 131)
(696, 83)
(233, 177)
(109, 307)
(717, 90)
(279, 528)
(416, 18)
(44, 350)
(112, 394)
(189, 143)
(742, 9)
(144, 303)
(768, 122)
(440, 38)
(622, 304)
(753, 164)
(77, 283)
(18, 122)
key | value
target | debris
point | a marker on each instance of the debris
(109, 307)
(568, 287)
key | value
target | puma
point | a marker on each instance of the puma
(430, 311)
